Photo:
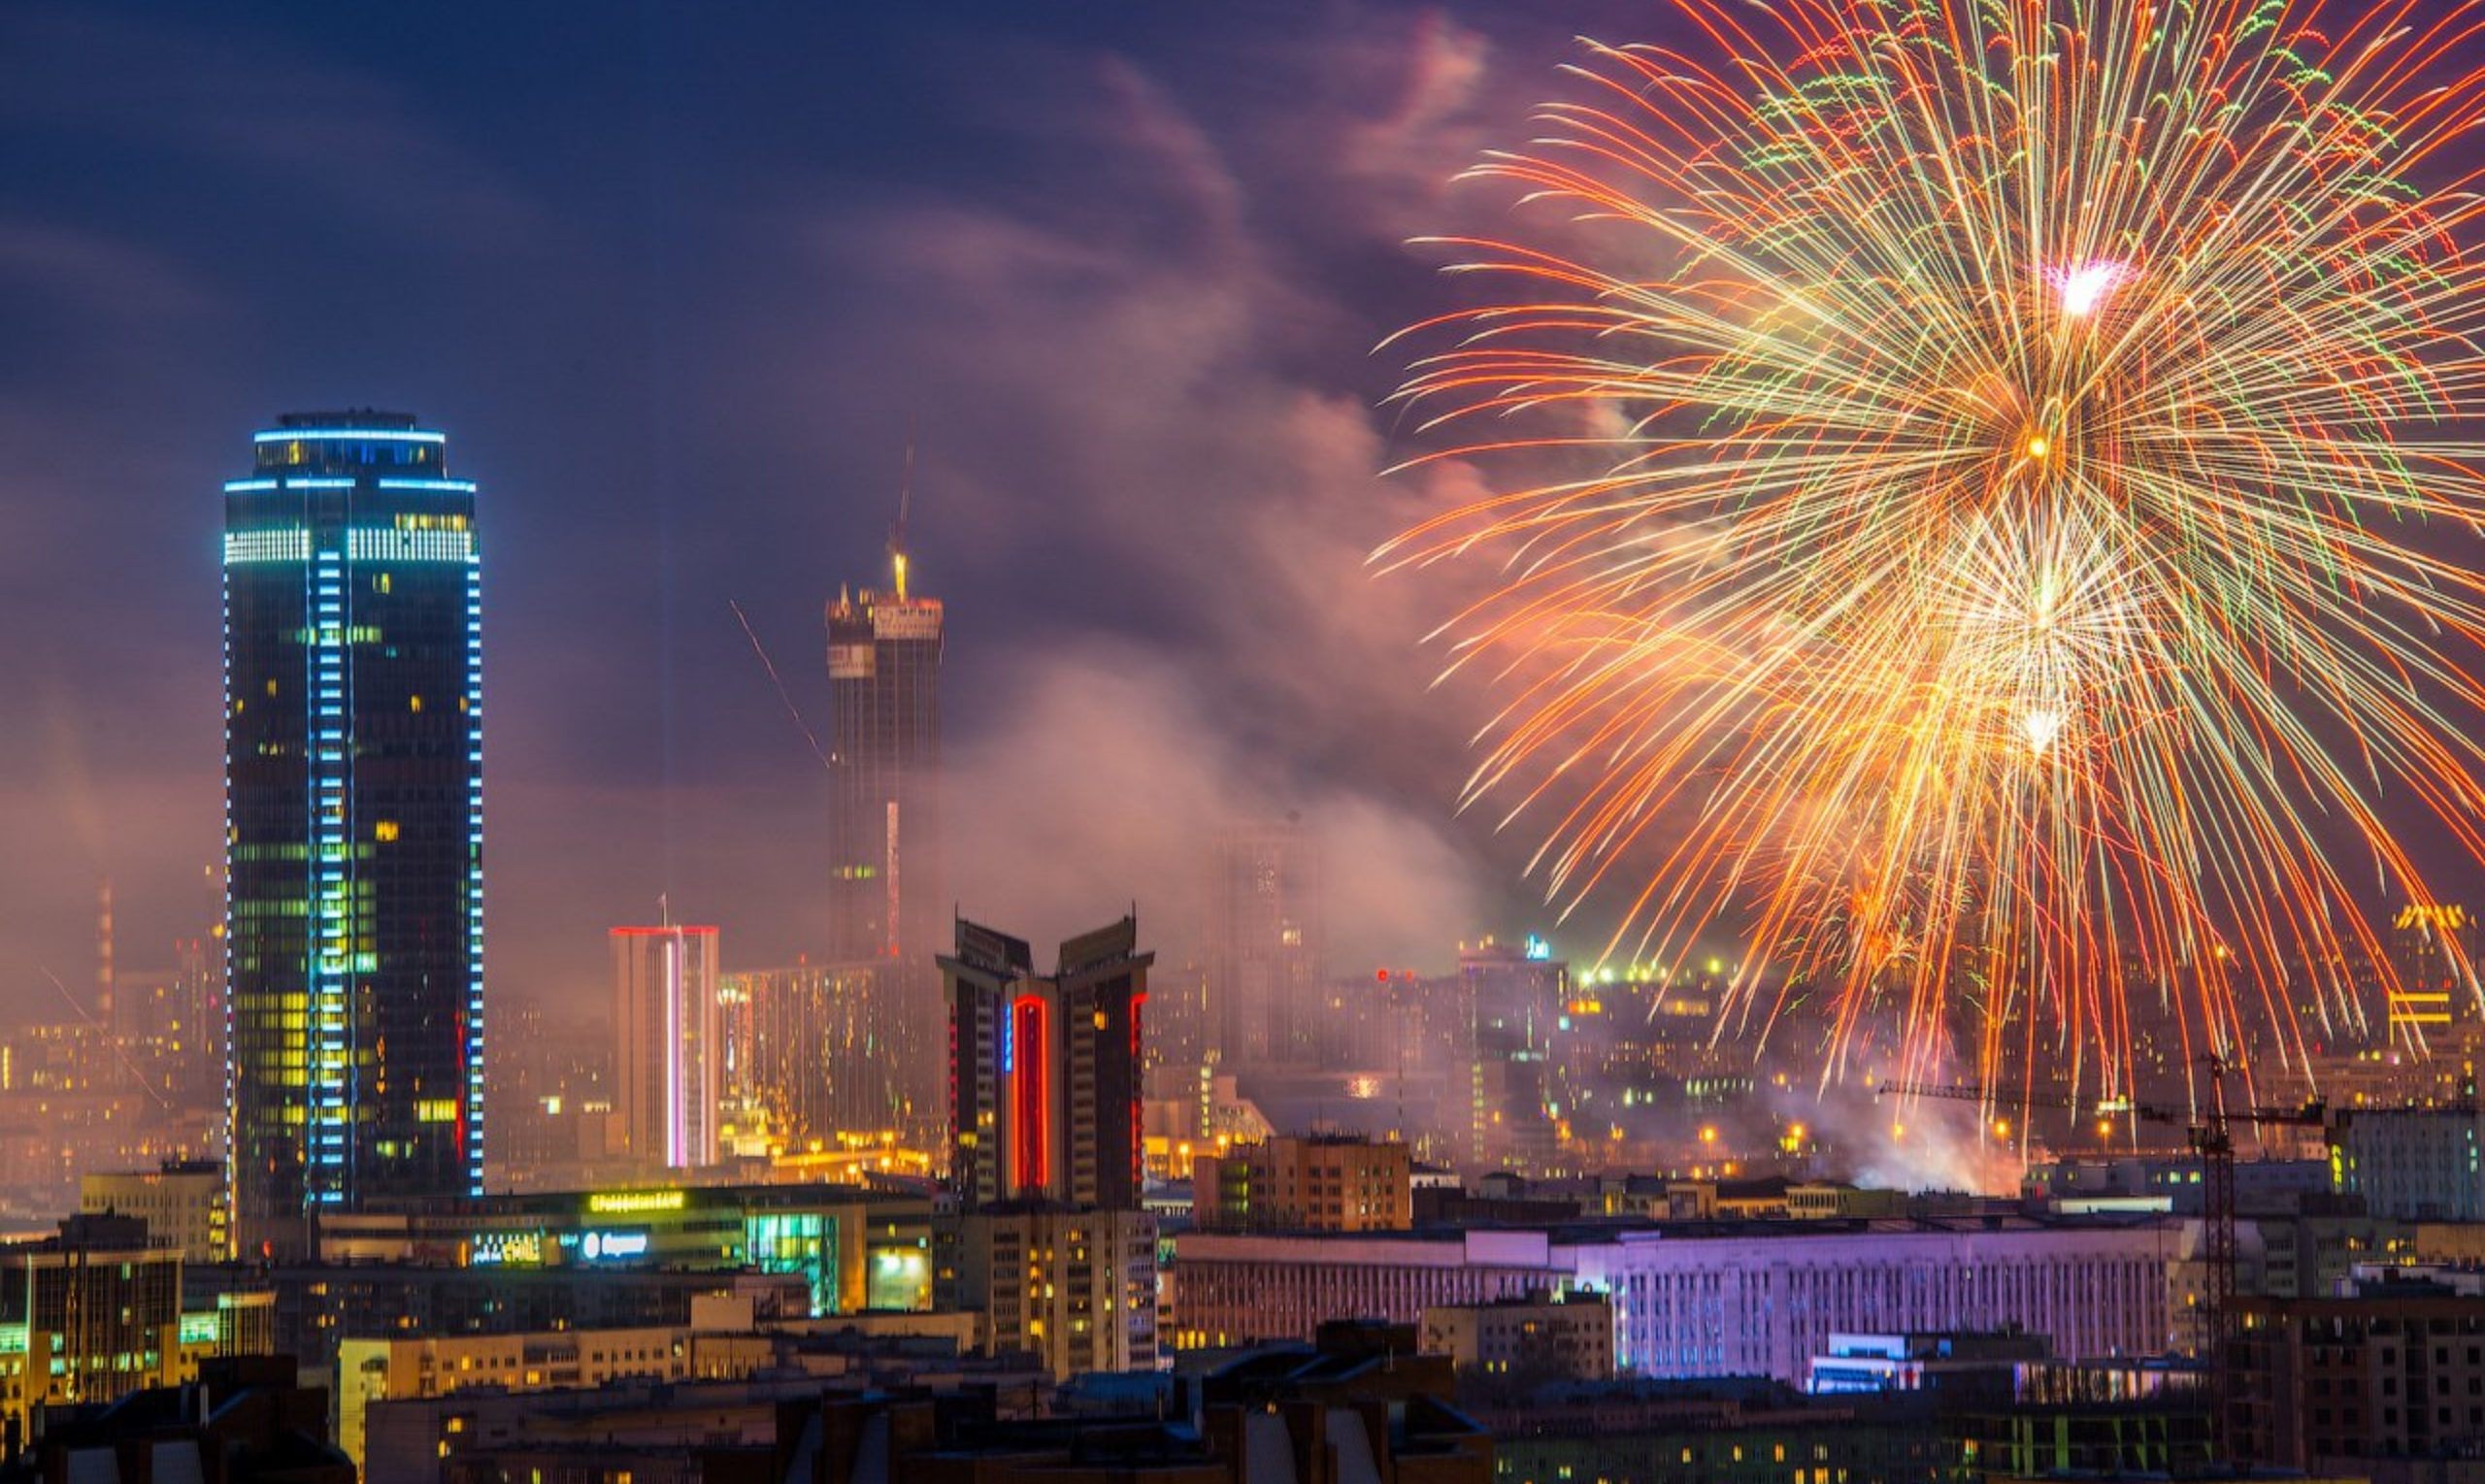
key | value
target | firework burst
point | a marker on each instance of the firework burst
(2020, 575)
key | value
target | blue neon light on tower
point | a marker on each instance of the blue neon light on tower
(353, 714)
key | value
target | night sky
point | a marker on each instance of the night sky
(673, 280)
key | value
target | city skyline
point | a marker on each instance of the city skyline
(1796, 692)
(1132, 319)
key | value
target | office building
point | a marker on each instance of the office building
(668, 1045)
(660, 1432)
(1716, 1298)
(383, 1368)
(96, 1312)
(1721, 1430)
(1331, 1184)
(1048, 1244)
(2414, 1163)
(887, 905)
(353, 800)
(182, 1203)
(1307, 1419)
(1043, 1072)
(853, 1249)
(1264, 944)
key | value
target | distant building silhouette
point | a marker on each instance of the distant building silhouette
(1264, 944)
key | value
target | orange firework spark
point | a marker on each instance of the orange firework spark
(2024, 438)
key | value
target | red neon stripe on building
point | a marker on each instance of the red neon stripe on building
(1031, 1124)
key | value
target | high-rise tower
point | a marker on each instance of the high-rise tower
(1043, 1072)
(886, 902)
(353, 824)
(668, 1067)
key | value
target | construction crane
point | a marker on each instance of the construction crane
(2211, 1139)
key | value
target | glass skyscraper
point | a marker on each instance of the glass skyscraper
(353, 824)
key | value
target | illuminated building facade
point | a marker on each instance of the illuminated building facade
(183, 1205)
(887, 906)
(1264, 944)
(1732, 1298)
(820, 1057)
(668, 1044)
(2433, 954)
(1075, 1288)
(1328, 1183)
(1045, 1073)
(853, 1249)
(2414, 1163)
(94, 1313)
(353, 813)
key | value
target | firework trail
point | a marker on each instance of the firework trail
(2016, 447)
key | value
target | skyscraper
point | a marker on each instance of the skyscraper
(887, 904)
(1047, 1241)
(668, 1063)
(1043, 1072)
(353, 824)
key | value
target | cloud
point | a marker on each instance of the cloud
(1131, 301)
(1110, 783)
(296, 124)
(91, 274)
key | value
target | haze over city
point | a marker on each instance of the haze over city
(677, 285)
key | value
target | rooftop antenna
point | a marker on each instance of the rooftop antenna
(905, 497)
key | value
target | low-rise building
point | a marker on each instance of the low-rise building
(1329, 1183)
(1724, 1430)
(183, 1202)
(1560, 1333)
(1075, 1288)
(2394, 1371)
(1893, 1362)
(242, 1421)
(2416, 1164)
(96, 1314)
(1709, 1297)
(858, 1247)
(309, 1308)
(1834, 1201)
(724, 1341)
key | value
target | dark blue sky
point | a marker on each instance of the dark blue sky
(674, 279)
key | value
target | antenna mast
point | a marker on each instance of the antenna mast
(905, 497)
